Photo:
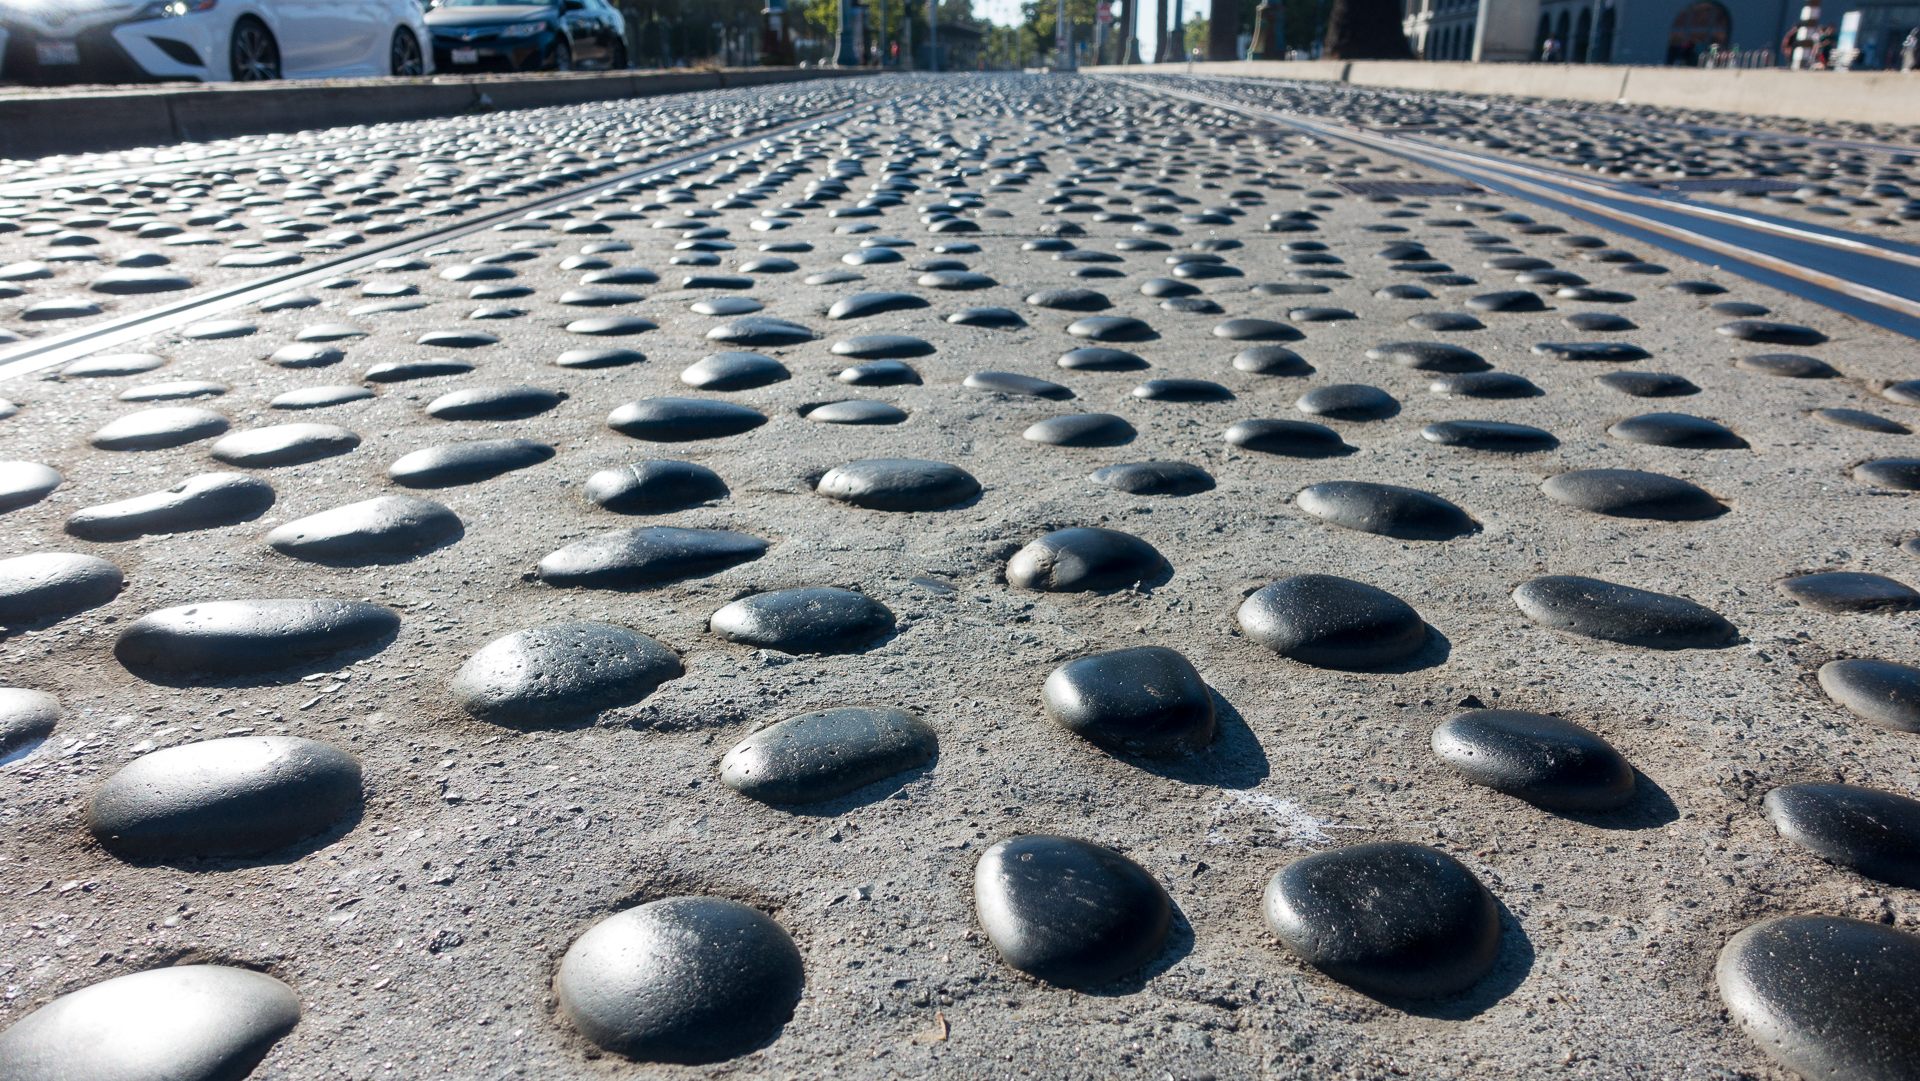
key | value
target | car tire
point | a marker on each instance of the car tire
(403, 55)
(252, 54)
(619, 56)
(562, 56)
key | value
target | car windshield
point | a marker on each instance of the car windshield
(487, 3)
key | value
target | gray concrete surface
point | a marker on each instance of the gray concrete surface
(422, 938)
(1836, 176)
(336, 194)
(68, 120)
(1840, 97)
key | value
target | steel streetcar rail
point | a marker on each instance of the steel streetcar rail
(1870, 279)
(39, 354)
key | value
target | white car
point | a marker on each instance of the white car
(213, 41)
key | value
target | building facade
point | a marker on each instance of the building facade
(1442, 29)
(1642, 31)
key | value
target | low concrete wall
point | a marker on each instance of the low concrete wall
(37, 123)
(1874, 97)
(1580, 82)
(1886, 97)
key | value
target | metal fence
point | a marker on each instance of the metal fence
(1717, 57)
(655, 42)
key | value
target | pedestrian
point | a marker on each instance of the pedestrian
(1550, 51)
(1910, 50)
(1823, 52)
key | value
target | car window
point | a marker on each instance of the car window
(486, 3)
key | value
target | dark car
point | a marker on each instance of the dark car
(500, 35)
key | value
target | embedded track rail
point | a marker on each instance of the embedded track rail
(1870, 278)
(1599, 111)
(18, 188)
(40, 354)
(235, 156)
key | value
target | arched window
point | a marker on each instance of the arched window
(1582, 37)
(1541, 36)
(1561, 29)
(1466, 48)
(1697, 27)
(1603, 39)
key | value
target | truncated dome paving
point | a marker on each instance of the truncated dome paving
(408, 673)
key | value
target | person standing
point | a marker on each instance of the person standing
(1802, 44)
(1910, 50)
(1550, 51)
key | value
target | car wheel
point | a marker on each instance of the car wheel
(405, 54)
(619, 57)
(252, 53)
(562, 57)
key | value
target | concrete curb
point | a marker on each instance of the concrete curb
(40, 124)
(1887, 97)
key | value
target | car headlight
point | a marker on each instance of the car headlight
(522, 30)
(173, 9)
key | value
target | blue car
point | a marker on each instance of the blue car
(502, 35)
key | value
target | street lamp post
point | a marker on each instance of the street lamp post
(1266, 33)
(846, 56)
(1062, 40)
(933, 35)
(775, 45)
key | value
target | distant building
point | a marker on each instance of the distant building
(959, 48)
(1442, 29)
(1638, 31)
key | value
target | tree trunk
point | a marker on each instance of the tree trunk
(1223, 30)
(1365, 30)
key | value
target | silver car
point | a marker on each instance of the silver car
(214, 41)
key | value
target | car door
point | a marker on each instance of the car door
(366, 25)
(317, 36)
(578, 19)
(605, 19)
(297, 31)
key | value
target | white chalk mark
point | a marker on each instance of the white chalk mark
(1297, 826)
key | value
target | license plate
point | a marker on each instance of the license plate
(58, 52)
(466, 56)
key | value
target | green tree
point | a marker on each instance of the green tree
(822, 18)
(1196, 35)
(1041, 16)
(1005, 47)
